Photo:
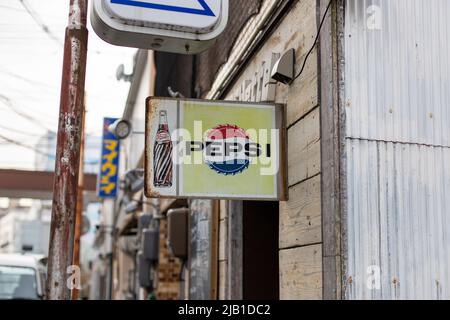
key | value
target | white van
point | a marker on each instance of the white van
(22, 277)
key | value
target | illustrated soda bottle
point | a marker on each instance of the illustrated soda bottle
(162, 154)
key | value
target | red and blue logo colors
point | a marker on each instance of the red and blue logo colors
(228, 149)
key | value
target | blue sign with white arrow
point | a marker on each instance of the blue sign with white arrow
(205, 11)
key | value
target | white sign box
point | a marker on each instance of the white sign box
(215, 150)
(179, 26)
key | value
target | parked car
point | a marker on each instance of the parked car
(22, 277)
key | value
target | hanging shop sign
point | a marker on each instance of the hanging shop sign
(109, 165)
(215, 149)
(179, 26)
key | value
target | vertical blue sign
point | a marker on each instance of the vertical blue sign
(109, 164)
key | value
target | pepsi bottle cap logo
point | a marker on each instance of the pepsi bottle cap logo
(234, 159)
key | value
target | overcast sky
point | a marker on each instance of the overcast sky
(30, 76)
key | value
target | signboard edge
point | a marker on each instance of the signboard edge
(197, 42)
(282, 192)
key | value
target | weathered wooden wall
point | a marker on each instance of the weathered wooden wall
(223, 249)
(300, 218)
(300, 241)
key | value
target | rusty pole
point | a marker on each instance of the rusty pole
(80, 204)
(65, 185)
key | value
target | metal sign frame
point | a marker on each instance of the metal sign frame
(175, 33)
(175, 110)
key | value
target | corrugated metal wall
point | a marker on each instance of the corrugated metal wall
(397, 96)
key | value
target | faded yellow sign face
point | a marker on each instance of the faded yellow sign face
(215, 149)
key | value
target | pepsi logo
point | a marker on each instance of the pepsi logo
(227, 149)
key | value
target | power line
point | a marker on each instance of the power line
(23, 11)
(36, 98)
(315, 40)
(23, 145)
(10, 8)
(40, 23)
(36, 121)
(30, 81)
(312, 47)
(7, 102)
(45, 145)
(18, 131)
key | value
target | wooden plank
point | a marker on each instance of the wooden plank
(215, 250)
(300, 217)
(223, 265)
(303, 93)
(223, 239)
(331, 280)
(302, 96)
(235, 250)
(223, 209)
(301, 273)
(304, 148)
(330, 150)
(223, 251)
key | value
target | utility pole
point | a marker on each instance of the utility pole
(65, 186)
(80, 204)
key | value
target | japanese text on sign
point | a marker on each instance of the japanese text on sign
(109, 169)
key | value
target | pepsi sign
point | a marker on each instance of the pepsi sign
(216, 149)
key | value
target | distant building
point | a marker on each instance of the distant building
(45, 161)
(4, 206)
(26, 228)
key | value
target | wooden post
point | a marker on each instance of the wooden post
(65, 187)
(79, 213)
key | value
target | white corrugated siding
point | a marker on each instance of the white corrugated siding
(397, 95)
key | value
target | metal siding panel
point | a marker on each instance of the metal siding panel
(409, 55)
(398, 219)
(397, 102)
